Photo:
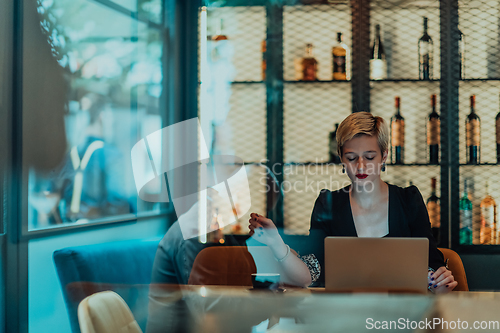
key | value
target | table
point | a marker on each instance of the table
(481, 307)
(208, 309)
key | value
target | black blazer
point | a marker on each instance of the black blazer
(408, 217)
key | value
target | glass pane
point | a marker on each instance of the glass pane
(313, 104)
(128, 4)
(6, 65)
(109, 89)
(232, 102)
(6, 39)
(152, 10)
(147, 9)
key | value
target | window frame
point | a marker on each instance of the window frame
(69, 227)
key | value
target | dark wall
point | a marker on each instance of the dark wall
(483, 271)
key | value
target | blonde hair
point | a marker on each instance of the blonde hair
(363, 123)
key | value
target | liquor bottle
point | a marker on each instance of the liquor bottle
(497, 128)
(473, 134)
(236, 228)
(341, 60)
(215, 235)
(378, 64)
(264, 64)
(461, 54)
(465, 210)
(218, 41)
(425, 54)
(433, 133)
(488, 218)
(397, 135)
(219, 35)
(332, 138)
(434, 209)
(306, 68)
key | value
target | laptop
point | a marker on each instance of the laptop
(359, 264)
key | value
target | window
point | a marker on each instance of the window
(104, 74)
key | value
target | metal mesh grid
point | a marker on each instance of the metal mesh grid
(478, 21)
(401, 28)
(237, 95)
(415, 107)
(304, 182)
(245, 28)
(310, 112)
(240, 112)
(316, 24)
(476, 180)
(247, 119)
(311, 108)
(301, 188)
(487, 106)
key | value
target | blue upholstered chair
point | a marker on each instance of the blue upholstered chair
(124, 267)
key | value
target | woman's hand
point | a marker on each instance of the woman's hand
(263, 230)
(441, 281)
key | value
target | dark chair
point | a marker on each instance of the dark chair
(124, 267)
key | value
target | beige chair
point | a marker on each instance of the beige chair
(456, 267)
(106, 312)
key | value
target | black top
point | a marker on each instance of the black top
(408, 217)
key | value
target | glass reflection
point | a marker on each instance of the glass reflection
(112, 63)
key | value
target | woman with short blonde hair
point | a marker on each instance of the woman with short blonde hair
(363, 123)
(362, 209)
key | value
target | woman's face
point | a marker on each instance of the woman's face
(362, 159)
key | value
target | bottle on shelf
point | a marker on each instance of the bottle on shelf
(306, 68)
(332, 138)
(397, 135)
(219, 35)
(217, 42)
(236, 228)
(434, 209)
(215, 235)
(341, 60)
(497, 132)
(264, 64)
(378, 64)
(425, 54)
(473, 134)
(461, 54)
(488, 218)
(465, 211)
(433, 133)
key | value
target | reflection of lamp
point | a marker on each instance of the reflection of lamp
(79, 166)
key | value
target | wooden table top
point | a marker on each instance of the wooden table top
(239, 309)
